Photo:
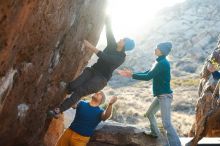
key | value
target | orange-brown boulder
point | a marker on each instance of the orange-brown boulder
(207, 119)
(41, 49)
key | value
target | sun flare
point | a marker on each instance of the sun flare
(130, 17)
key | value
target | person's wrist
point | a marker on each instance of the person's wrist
(96, 51)
(92, 48)
(110, 103)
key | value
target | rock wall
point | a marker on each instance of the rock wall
(207, 121)
(41, 49)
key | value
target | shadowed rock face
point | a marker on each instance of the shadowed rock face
(40, 49)
(207, 121)
(115, 134)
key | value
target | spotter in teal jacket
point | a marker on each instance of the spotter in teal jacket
(160, 73)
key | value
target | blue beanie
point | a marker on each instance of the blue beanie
(129, 44)
(165, 47)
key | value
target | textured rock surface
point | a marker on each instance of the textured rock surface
(40, 47)
(207, 121)
(54, 131)
(115, 134)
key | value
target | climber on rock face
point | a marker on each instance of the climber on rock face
(95, 78)
(160, 73)
(88, 116)
(214, 67)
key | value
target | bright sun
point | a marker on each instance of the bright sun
(129, 17)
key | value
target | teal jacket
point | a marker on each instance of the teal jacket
(160, 73)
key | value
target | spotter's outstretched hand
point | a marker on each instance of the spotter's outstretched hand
(125, 73)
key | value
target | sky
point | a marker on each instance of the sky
(129, 17)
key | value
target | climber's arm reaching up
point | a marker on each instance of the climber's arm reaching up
(109, 34)
(107, 113)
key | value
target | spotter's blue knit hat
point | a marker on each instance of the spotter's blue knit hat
(129, 44)
(165, 47)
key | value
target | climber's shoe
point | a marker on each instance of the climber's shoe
(54, 113)
(150, 134)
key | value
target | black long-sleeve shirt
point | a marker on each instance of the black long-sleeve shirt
(109, 58)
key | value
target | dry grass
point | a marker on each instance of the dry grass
(185, 82)
(134, 101)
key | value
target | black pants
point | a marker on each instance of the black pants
(90, 81)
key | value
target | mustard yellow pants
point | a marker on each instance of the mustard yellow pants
(71, 138)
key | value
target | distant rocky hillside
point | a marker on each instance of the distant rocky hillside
(192, 26)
